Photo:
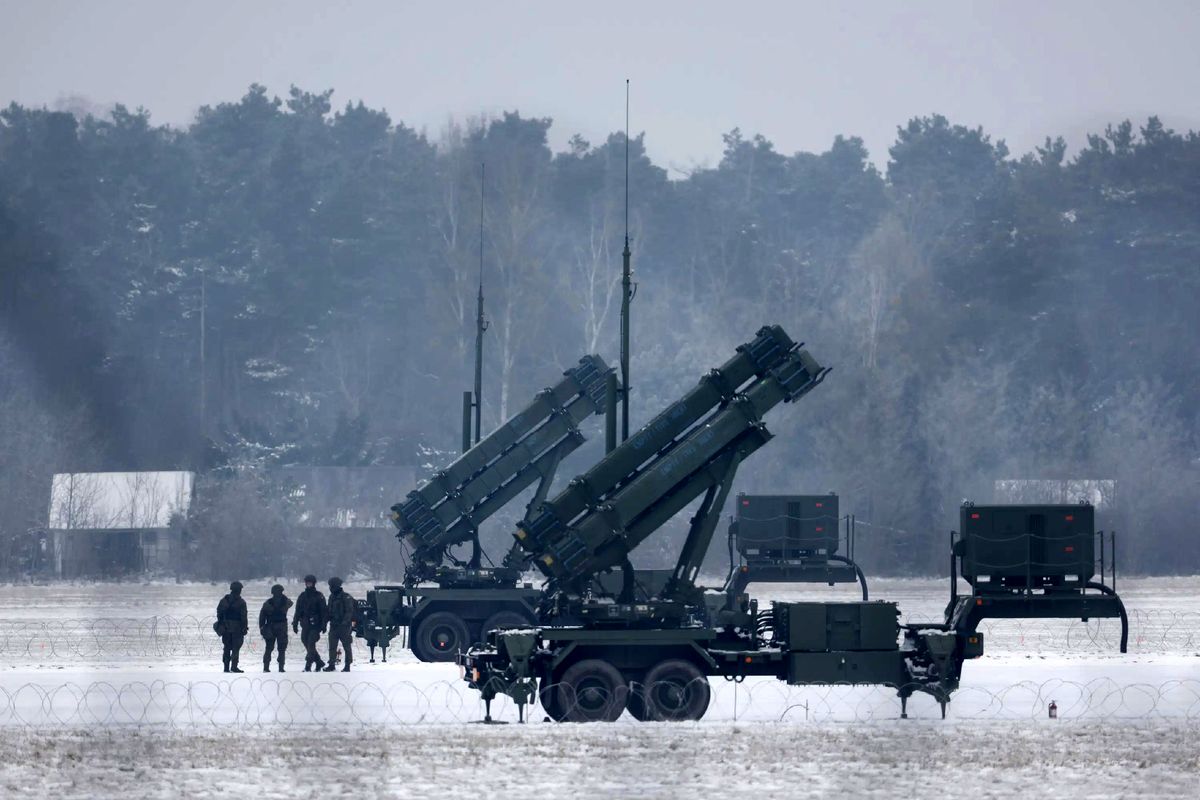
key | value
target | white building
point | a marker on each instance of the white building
(115, 523)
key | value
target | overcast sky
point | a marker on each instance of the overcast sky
(799, 73)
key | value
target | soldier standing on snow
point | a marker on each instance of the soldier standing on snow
(232, 625)
(309, 621)
(272, 623)
(341, 624)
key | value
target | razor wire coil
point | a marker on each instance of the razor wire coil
(267, 704)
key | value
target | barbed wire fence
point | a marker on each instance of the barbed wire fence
(1151, 632)
(268, 704)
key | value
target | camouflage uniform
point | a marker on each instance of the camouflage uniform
(309, 620)
(232, 625)
(272, 623)
(341, 624)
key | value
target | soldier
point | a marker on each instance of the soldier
(341, 624)
(232, 625)
(272, 624)
(310, 616)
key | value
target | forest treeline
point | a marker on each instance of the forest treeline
(286, 282)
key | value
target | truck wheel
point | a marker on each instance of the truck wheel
(635, 702)
(592, 690)
(502, 619)
(550, 696)
(439, 637)
(676, 691)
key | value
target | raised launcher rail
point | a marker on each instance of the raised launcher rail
(692, 448)
(790, 538)
(448, 510)
(450, 507)
(1032, 561)
(591, 658)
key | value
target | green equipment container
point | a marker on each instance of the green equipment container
(1012, 545)
(787, 526)
(838, 627)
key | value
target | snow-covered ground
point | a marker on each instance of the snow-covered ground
(116, 689)
(709, 760)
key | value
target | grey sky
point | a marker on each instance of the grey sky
(798, 73)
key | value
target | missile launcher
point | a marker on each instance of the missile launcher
(448, 511)
(648, 647)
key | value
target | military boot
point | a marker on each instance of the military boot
(318, 665)
(330, 668)
(225, 661)
(233, 666)
(281, 663)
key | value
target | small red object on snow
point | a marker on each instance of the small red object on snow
(1053, 710)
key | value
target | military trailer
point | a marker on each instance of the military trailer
(594, 655)
(791, 538)
(445, 603)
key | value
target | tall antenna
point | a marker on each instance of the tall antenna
(203, 365)
(626, 288)
(481, 323)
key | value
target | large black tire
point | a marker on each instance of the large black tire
(551, 699)
(592, 690)
(439, 637)
(635, 702)
(502, 619)
(676, 691)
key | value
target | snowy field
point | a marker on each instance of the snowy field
(115, 690)
(708, 760)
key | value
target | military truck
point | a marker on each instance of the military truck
(445, 603)
(592, 656)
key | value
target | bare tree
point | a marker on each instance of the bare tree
(1139, 442)
(457, 223)
(886, 264)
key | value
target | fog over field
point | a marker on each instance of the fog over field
(289, 279)
(250, 255)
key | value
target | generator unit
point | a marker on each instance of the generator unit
(790, 538)
(823, 627)
(841, 642)
(1033, 562)
(1028, 545)
(786, 526)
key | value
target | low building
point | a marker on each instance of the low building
(114, 524)
(1100, 493)
(123, 524)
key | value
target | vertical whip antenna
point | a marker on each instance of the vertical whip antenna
(481, 323)
(626, 288)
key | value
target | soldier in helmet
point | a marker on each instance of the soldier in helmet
(232, 625)
(309, 621)
(272, 623)
(341, 624)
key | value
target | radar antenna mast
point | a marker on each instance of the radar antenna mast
(627, 288)
(481, 323)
